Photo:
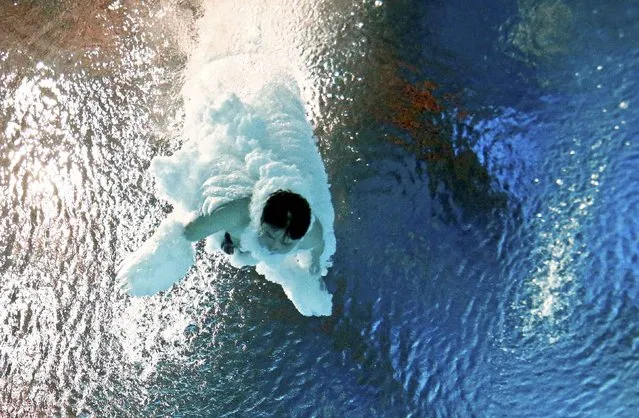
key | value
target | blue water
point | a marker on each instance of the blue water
(509, 289)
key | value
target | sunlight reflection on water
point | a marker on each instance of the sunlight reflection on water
(69, 124)
(79, 132)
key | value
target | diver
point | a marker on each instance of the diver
(284, 226)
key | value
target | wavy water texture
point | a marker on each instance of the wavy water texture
(525, 305)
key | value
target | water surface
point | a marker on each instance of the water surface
(483, 164)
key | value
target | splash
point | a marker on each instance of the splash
(246, 135)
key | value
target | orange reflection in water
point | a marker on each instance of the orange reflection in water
(433, 125)
(48, 27)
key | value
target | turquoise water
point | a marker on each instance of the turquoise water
(487, 229)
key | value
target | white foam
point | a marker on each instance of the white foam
(162, 260)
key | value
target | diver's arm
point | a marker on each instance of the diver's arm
(314, 241)
(228, 216)
(317, 250)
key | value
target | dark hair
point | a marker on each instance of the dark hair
(287, 210)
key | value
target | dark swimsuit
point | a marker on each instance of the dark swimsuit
(227, 244)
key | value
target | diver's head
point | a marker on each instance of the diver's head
(285, 219)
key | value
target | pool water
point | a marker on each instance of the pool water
(483, 166)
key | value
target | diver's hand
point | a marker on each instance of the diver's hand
(315, 268)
